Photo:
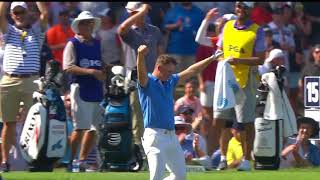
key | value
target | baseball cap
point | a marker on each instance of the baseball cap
(133, 6)
(15, 4)
(275, 53)
(180, 121)
(185, 109)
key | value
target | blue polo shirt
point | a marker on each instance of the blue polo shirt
(156, 100)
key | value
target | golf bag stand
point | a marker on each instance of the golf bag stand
(268, 133)
(117, 152)
(43, 139)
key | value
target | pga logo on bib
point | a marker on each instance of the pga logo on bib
(85, 63)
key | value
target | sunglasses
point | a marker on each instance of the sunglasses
(86, 22)
(17, 13)
(180, 128)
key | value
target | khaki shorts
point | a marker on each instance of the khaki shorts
(206, 97)
(244, 112)
(14, 90)
(86, 115)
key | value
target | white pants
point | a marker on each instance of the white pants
(163, 151)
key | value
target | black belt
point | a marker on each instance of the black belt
(21, 75)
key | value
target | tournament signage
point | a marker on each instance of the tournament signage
(312, 91)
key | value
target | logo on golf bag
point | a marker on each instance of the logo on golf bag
(114, 139)
(57, 145)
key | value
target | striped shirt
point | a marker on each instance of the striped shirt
(22, 56)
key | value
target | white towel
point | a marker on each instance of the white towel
(278, 105)
(227, 92)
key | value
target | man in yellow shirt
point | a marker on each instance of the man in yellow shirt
(242, 42)
(234, 152)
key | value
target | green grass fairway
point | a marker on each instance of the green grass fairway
(292, 174)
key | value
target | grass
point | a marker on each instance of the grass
(290, 174)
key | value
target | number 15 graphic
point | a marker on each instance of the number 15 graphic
(312, 91)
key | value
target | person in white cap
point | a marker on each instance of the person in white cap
(21, 65)
(242, 42)
(275, 58)
(82, 59)
(135, 31)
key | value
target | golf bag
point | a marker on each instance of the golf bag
(117, 152)
(268, 133)
(43, 139)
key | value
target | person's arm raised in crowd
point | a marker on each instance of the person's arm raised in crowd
(141, 65)
(3, 17)
(124, 27)
(201, 36)
(198, 67)
(69, 65)
(43, 15)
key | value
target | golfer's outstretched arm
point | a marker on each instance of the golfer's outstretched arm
(198, 67)
(141, 65)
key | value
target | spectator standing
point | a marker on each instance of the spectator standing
(135, 31)
(82, 59)
(21, 65)
(295, 56)
(244, 55)
(110, 42)
(156, 98)
(58, 36)
(282, 34)
(182, 21)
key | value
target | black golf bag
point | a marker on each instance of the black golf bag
(43, 139)
(268, 133)
(117, 152)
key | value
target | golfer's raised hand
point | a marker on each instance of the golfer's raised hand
(143, 50)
